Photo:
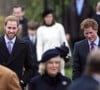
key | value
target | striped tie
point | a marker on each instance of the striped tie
(9, 46)
(92, 45)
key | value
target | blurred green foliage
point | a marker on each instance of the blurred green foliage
(68, 72)
(2, 24)
(34, 8)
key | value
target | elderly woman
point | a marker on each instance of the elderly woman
(50, 77)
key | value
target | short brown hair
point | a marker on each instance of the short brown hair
(89, 23)
(32, 25)
(11, 18)
(93, 62)
(19, 6)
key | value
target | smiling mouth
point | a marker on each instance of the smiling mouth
(53, 69)
(11, 33)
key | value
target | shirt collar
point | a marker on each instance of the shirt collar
(79, 2)
(7, 40)
(96, 42)
(96, 77)
(32, 37)
(98, 13)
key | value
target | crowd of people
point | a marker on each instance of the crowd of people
(33, 55)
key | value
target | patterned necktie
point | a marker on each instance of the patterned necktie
(92, 45)
(9, 46)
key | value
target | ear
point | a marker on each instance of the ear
(23, 13)
(18, 30)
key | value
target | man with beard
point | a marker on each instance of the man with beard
(15, 53)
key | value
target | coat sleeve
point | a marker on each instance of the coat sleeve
(66, 19)
(13, 83)
(63, 39)
(39, 46)
(29, 65)
(32, 85)
(76, 66)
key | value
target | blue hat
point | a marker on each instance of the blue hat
(49, 54)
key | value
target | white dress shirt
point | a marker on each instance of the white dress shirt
(96, 43)
(96, 77)
(79, 6)
(32, 38)
(7, 40)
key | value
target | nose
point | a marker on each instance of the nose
(11, 30)
(89, 35)
(54, 64)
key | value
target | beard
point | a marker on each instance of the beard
(10, 36)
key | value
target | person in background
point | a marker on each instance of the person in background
(91, 78)
(32, 39)
(50, 77)
(15, 53)
(97, 16)
(8, 79)
(75, 13)
(50, 34)
(84, 47)
(19, 11)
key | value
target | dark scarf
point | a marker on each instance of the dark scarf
(48, 25)
(51, 80)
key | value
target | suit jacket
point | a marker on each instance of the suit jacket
(80, 53)
(24, 22)
(30, 74)
(33, 47)
(45, 82)
(21, 56)
(84, 83)
(97, 18)
(72, 20)
(8, 79)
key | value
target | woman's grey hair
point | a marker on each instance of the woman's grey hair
(42, 66)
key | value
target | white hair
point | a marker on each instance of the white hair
(42, 66)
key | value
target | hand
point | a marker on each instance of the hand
(68, 37)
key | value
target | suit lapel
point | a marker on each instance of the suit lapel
(4, 47)
(27, 38)
(14, 50)
(99, 43)
(14, 47)
(87, 49)
(75, 9)
(86, 46)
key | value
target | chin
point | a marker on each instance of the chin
(11, 37)
(54, 73)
